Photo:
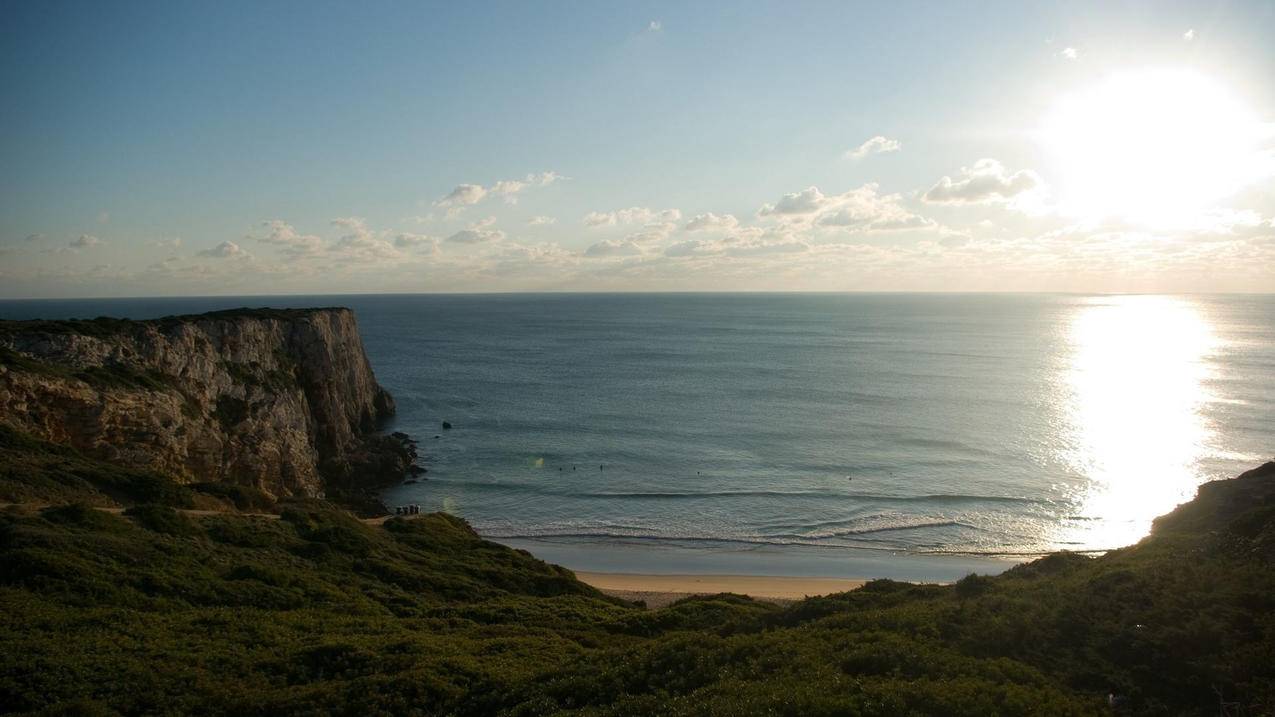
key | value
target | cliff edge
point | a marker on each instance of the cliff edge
(281, 400)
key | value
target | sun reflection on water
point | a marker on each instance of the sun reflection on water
(1136, 388)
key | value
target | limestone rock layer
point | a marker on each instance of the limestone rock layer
(282, 400)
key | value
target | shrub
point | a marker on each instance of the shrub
(243, 497)
(162, 519)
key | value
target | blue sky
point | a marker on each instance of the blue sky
(173, 148)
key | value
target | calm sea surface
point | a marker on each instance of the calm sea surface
(802, 424)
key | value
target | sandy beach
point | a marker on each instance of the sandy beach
(660, 590)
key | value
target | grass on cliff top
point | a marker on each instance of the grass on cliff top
(318, 613)
(106, 326)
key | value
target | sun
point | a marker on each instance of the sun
(1157, 147)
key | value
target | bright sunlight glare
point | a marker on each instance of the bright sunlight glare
(1137, 387)
(1156, 147)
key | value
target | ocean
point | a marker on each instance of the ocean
(865, 435)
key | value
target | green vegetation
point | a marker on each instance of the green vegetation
(105, 326)
(231, 411)
(35, 471)
(254, 374)
(101, 327)
(242, 497)
(316, 612)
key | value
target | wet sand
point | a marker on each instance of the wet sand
(660, 590)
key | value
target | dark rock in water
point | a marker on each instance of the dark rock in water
(415, 469)
(438, 436)
(446, 426)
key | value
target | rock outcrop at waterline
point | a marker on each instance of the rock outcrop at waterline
(281, 400)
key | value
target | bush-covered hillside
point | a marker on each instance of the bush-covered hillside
(156, 610)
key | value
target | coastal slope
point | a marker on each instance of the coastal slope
(310, 611)
(283, 401)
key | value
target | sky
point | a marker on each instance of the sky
(247, 148)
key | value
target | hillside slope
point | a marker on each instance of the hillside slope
(317, 613)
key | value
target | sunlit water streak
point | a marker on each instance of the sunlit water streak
(1136, 391)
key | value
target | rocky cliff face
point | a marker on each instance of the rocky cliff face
(282, 400)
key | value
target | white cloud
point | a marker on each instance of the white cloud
(465, 195)
(174, 243)
(1189, 35)
(711, 222)
(479, 232)
(541, 221)
(544, 179)
(1070, 53)
(85, 241)
(632, 215)
(807, 201)
(361, 243)
(354, 224)
(407, 240)
(858, 210)
(613, 247)
(987, 181)
(876, 145)
(863, 209)
(285, 236)
(656, 234)
(655, 26)
(784, 253)
(736, 246)
(476, 236)
(224, 250)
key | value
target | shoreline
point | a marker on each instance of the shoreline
(770, 562)
(661, 590)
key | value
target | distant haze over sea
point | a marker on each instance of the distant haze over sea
(914, 423)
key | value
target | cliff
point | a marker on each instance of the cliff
(281, 400)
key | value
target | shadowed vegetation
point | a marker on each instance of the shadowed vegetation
(319, 613)
(107, 326)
